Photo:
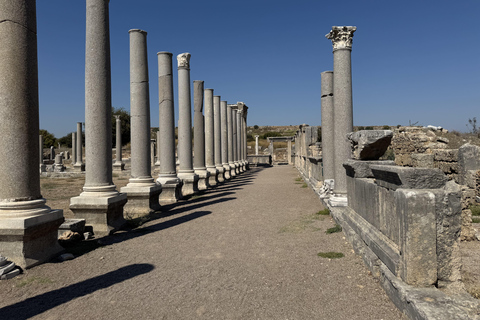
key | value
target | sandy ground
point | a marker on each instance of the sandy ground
(245, 250)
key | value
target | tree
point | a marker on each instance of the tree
(48, 138)
(125, 125)
(473, 123)
(66, 141)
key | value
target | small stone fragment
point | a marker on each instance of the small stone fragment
(66, 256)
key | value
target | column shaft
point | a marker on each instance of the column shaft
(218, 138)
(328, 145)
(224, 129)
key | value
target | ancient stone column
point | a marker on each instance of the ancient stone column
(236, 165)
(244, 135)
(224, 130)
(79, 165)
(256, 145)
(210, 138)
(118, 165)
(28, 228)
(342, 103)
(231, 162)
(199, 137)
(239, 141)
(152, 153)
(185, 170)
(328, 144)
(52, 153)
(289, 151)
(100, 204)
(74, 147)
(142, 191)
(171, 184)
(218, 138)
(43, 167)
(58, 165)
(157, 142)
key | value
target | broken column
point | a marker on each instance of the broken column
(142, 191)
(100, 204)
(199, 137)
(118, 165)
(185, 170)
(218, 139)
(171, 184)
(28, 228)
(223, 128)
(210, 138)
(74, 147)
(343, 107)
(256, 145)
(79, 165)
(43, 167)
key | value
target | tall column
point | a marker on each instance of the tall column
(43, 167)
(224, 130)
(231, 162)
(244, 136)
(142, 191)
(199, 137)
(99, 203)
(28, 228)
(235, 135)
(74, 147)
(118, 165)
(185, 170)
(167, 177)
(79, 165)
(256, 145)
(210, 138)
(218, 138)
(157, 161)
(328, 144)
(239, 140)
(343, 105)
(289, 151)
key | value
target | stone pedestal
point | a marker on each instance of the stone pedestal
(342, 102)
(99, 203)
(79, 166)
(210, 139)
(218, 139)
(171, 184)
(185, 171)
(28, 228)
(118, 165)
(142, 191)
(58, 165)
(199, 137)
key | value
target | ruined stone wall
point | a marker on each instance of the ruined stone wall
(308, 155)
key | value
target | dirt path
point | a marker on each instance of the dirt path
(246, 250)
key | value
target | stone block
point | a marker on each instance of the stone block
(143, 199)
(422, 160)
(74, 225)
(361, 169)
(468, 159)
(370, 144)
(394, 177)
(447, 155)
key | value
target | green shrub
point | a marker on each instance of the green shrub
(335, 229)
(330, 255)
(386, 127)
(271, 134)
(368, 128)
(475, 210)
(324, 212)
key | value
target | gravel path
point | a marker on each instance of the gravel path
(245, 250)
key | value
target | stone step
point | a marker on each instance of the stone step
(15, 272)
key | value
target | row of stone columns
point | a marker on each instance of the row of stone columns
(337, 113)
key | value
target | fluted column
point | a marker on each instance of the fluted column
(184, 147)
(99, 203)
(167, 177)
(210, 138)
(141, 190)
(218, 138)
(79, 165)
(328, 144)
(342, 102)
(118, 165)
(28, 228)
(199, 137)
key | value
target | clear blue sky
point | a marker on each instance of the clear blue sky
(411, 60)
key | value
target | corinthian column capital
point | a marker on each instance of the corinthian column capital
(183, 60)
(341, 37)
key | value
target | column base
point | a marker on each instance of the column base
(338, 200)
(171, 189)
(221, 174)
(233, 171)
(213, 179)
(58, 168)
(31, 240)
(203, 179)
(79, 167)
(142, 199)
(118, 166)
(102, 211)
(237, 168)
(226, 172)
(189, 183)
(43, 168)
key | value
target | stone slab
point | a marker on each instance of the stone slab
(361, 168)
(394, 177)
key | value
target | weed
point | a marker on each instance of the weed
(304, 185)
(335, 229)
(324, 212)
(31, 280)
(475, 210)
(475, 220)
(330, 255)
(299, 179)
(49, 185)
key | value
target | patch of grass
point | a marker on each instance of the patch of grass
(31, 280)
(304, 185)
(475, 210)
(302, 224)
(299, 179)
(49, 185)
(475, 220)
(324, 212)
(330, 255)
(335, 229)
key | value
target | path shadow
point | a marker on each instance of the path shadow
(36, 305)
